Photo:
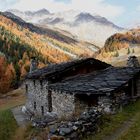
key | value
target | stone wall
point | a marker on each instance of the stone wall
(86, 124)
(37, 99)
(62, 103)
(113, 103)
(105, 103)
(65, 104)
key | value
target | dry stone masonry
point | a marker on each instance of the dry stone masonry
(37, 96)
(62, 103)
(86, 124)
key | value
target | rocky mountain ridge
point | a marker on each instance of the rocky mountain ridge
(84, 26)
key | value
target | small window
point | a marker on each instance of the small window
(50, 101)
(34, 105)
(41, 84)
(26, 86)
(34, 82)
(42, 110)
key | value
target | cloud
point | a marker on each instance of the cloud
(4, 4)
(100, 7)
(138, 8)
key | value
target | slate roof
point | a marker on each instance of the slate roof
(105, 81)
(53, 69)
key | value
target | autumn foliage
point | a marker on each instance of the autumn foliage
(18, 44)
(7, 74)
(122, 40)
(120, 44)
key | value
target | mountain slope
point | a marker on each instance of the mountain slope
(119, 46)
(15, 54)
(57, 35)
(32, 28)
(19, 41)
(84, 26)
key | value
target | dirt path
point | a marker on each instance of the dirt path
(12, 99)
(121, 130)
(21, 118)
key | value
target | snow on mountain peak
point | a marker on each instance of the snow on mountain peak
(83, 25)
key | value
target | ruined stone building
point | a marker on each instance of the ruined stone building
(74, 86)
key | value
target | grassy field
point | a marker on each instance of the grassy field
(113, 122)
(8, 125)
(121, 63)
(134, 132)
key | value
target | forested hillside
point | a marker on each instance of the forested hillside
(18, 44)
(119, 41)
(121, 45)
(14, 59)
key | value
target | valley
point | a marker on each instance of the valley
(51, 42)
(73, 45)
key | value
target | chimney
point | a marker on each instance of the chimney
(33, 65)
(133, 62)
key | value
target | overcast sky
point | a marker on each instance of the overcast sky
(121, 12)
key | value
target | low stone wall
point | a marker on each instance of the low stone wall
(85, 125)
(75, 129)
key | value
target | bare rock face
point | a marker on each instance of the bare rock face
(133, 62)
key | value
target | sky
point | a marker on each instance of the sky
(124, 13)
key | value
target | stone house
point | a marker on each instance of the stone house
(74, 86)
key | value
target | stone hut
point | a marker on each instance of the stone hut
(39, 95)
(74, 86)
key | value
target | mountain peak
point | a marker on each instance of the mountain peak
(42, 11)
(84, 17)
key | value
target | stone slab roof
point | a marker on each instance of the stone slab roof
(53, 69)
(105, 81)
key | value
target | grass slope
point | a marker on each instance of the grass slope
(134, 132)
(8, 125)
(113, 122)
